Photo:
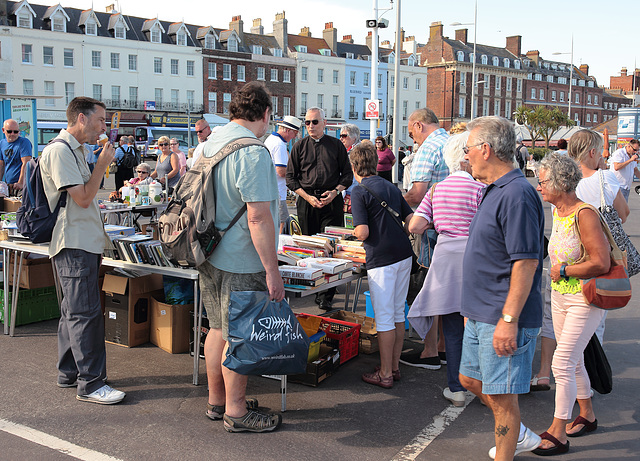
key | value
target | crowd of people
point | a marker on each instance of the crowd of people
(478, 220)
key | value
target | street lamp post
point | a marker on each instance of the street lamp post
(570, 76)
(473, 68)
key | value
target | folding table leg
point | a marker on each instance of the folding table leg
(283, 391)
(17, 269)
(197, 321)
(5, 278)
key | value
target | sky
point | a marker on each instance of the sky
(599, 37)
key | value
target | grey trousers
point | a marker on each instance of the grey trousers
(81, 351)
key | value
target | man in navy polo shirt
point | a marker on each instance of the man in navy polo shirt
(501, 274)
(15, 152)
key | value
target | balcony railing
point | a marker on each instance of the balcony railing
(353, 116)
(336, 113)
(164, 106)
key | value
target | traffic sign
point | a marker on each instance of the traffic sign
(373, 109)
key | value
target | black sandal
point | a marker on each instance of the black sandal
(215, 412)
(557, 448)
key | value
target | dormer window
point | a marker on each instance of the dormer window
(58, 24)
(349, 55)
(256, 49)
(411, 61)
(472, 57)
(496, 61)
(232, 44)
(302, 48)
(91, 28)
(120, 31)
(484, 59)
(181, 39)
(209, 41)
(516, 64)
(325, 52)
(155, 35)
(24, 14)
(506, 62)
(392, 59)
(277, 52)
(460, 55)
(25, 20)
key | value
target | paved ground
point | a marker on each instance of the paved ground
(162, 417)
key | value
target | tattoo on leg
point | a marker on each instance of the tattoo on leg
(501, 431)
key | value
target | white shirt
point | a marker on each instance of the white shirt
(197, 152)
(588, 189)
(624, 174)
(280, 157)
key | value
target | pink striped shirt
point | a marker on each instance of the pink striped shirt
(455, 202)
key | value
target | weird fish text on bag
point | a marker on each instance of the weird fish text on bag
(275, 328)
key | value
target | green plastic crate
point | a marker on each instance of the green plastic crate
(33, 305)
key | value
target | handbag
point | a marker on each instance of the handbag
(612, 219)
(613, 289)
(113, 168)
(264, 336)
(597, 366)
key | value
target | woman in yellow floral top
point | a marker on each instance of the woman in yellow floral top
(574, 321)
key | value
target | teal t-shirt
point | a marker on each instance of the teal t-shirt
(245, 176)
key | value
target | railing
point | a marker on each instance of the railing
(165, 106)
(336, 114)
(353, 116)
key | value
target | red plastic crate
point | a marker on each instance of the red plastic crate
(340, 334)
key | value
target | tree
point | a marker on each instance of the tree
(541, 122)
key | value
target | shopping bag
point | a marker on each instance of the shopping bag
(598, 368)
(264, 336)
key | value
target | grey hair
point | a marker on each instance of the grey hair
(563, 173)
(498, 132)
(145, 166)
(352, 130)
(424, 115)
(453, 153)
(317, 109)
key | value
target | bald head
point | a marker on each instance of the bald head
(11, 130)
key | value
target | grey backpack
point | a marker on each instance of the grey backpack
(188, 232)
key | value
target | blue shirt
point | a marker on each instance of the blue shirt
(387, 243)
(11, 154)
(509, 226)
(428, 164)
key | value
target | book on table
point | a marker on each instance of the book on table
(326, 265)
(306, 273)
(304, 282)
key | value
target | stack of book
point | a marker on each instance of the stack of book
(292, 248)
(333, 268)
(352, 250)
(301, 277)
(139, 248)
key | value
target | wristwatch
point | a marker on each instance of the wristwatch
(509, 318)
(337, 190)
(563, 272)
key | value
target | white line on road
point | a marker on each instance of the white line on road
(52, 442)
(421, 441)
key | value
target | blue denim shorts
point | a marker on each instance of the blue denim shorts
(499, 375)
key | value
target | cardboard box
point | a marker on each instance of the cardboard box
(170, 324)
(368, 331)
(320, 369)
(126, 319)
(11, 204)
(35, 273)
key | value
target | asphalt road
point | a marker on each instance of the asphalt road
(162, 417)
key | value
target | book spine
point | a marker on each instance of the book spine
(299, 274)
(297, 281)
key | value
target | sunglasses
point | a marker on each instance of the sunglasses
(344, 135)
(174, 143)
(163, 144)
(200, 131)
(12, 131)
(309, 122)
(140, 171)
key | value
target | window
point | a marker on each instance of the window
(190, 68)
(577, 98)
(304, 71)
(538, 77)
(175, 97)
(276, 52)
(115, 61)
(576, 118)
(181, 39)
(533, 93)
(392, 81)
(274, 105)
(595, 118)
(507, 110)
(336, 76)
(588, 118)
(595, 99)
(174, 67)
(49, 91)
(261, 73)
(226, 100)
(530, 76)
(68, 57)
(562, 80)
(27, 54)
(213, 102)
(158, 94)
(496, 61)
(460, 55)
(133, 96)
(24, 20)
(286, 76)
(115, 94)
(256, 49)
(320, 100)
(349, 55)
(212, 71)
(484, 59)
(553, 95)
(352, 78)
(301, 48)
(574, 82)
(590, 83)
(58, 24)
(191, 98)
(588, 99)
(463, 78)
(334, 105)
(97, 92)
(462, 106)
(96, 59)
(496, 107)
(241, 73)
(472, 57)
(157, 65)
(226, 72)
(320, 75)
(133, 62)
(405, 83)
(325, 52)
(120, 31)
(418, 84)
(391, 105)
(69, 92)
(91, 28)
(303, 103)
(417, 105)
(405, 109)
(232, 45)
(379, 81)
(541, 93)
(286, 105)
(274, 75)
(155, 35)
(508, 83)
(404, 132)
(580, 82)
(47, 55)
(550, 78)
(498, 82)
(27, 87)
(352, 106)
(366, 79)
(210, 42)
(519, 86)
(485, 107)
(506, 62)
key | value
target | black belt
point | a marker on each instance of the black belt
(316, 192)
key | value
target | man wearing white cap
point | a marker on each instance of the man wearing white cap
(277, 144)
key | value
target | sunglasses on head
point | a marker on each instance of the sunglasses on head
(309, 122)
(12, 131)
(164, 144)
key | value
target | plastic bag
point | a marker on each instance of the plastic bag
(177, 290)
(264, 336)
(597, 366)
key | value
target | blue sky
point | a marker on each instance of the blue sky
(601, 39)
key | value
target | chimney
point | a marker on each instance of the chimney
(435, 31)
(330, 35)
(461, 35)
(514, 45)
(305, 32)
(409, 45)
(369, 40)
(257, 27)
(111, 8)
(401, 35)
(280, 32)
(584, 68)
(534, 56)
(238, 25)
(623, 72)
(347, 39)
(385, 44)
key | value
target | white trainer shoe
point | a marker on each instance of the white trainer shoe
(106, 395)
(456, 398)
(529, 442)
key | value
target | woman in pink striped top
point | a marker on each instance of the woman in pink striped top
(449, 207)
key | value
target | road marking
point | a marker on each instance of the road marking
(52, 442)
(427, 435)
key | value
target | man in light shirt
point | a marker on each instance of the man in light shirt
(624, 164)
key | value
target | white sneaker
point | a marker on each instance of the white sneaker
(105, 395)
(456, 398)
(529, 442)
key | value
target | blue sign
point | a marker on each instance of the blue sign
(149, 105)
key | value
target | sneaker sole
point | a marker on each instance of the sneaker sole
(421, 365)
(455, 403)
(83, 398)
(249, 429)
(65, 385)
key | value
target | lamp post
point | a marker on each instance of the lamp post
(473, 68)
(570, 76)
